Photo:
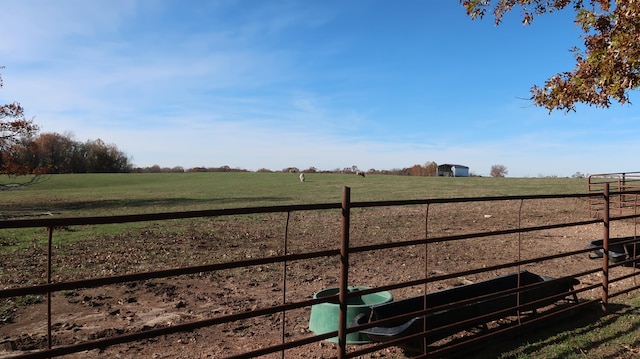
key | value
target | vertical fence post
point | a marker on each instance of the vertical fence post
(426, 275)
(605, 249)
(284, 281)
(344, 272)
(49, 256)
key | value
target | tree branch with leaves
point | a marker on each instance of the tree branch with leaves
(608, 65)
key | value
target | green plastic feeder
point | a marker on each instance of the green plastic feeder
(325, 316)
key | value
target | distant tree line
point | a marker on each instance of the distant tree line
(53, 153)
(430, 168)
(180, 169)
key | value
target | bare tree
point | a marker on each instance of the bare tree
(498, 171)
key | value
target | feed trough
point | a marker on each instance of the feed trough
(325, 316)
(617, 252)
(480, 303)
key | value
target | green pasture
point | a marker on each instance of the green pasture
(106, 194)
(83, 195)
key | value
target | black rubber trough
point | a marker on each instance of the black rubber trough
(483, 307)
(617, 252)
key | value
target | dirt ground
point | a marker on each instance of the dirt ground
(128, 308)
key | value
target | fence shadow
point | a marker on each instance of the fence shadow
(582, 322)
(31, 210)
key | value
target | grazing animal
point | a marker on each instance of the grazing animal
(302, 177)
(359, 173)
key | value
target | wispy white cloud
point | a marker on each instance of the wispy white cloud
(38, 28)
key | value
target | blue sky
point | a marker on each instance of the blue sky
(330, 84)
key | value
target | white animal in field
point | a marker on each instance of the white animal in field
(302, 177)
(359, 173)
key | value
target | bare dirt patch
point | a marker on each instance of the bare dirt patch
(95, 313)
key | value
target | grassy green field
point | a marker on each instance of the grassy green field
(588, 335)
(105, 194)
(82, 195)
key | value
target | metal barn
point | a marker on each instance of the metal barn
(449, 170)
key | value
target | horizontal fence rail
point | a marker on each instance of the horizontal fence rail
(624, 188)
(342, 251)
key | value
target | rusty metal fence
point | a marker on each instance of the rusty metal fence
(624, 185)
(342, 252)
